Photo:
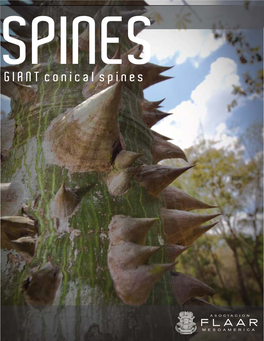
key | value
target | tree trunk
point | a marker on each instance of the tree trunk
(250, 263)
(78, 190)
(241, 283)
(218, 271)
(259, 274)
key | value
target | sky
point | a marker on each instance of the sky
(204, 72)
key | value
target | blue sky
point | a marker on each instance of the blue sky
(204, 71)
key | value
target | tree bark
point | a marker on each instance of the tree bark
(77, 246)
(71, 287)
(241, 283)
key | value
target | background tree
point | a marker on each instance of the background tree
(232, 178)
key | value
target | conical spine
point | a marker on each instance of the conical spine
(155, 80)
(196, 301)
(177, 199)
(131, 255)
(175, 250)
(156, 178)
(93, 87)
(150, 118)
(154, 133)
(41, 285)
(15, 227)
(127, 67)
(125, 159)
(26, 246)
(64, 203)
(118, 182)
(83, 41)
(27, 93)
(133, 286)
(125, 228)
(151, 74)
(179, 225)
(87, 137)
(185, 287)
(164, 150)
(198, 232)
(127, 258)
(150, 106)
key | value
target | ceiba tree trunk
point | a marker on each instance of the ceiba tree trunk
(88, 251)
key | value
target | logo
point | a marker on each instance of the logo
(186, 326)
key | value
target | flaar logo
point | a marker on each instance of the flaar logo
(186, 325)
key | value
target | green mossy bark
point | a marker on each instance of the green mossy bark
(86, 280)
(83, 260)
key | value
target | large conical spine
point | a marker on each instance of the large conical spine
(13, 228)
(156, 178)
(177, 199)
(185, 288)
(97, 85)
(128, 259)
(12, 198)
(118, 181)
(179, 225)
(165, 150)
(64, 203)
(153, 117)
(41, 285)
(87, 137)
(125, 159)
(152, 74)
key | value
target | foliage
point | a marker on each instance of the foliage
(230, 257)
(247, 54)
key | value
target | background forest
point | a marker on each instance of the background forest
(230, 258)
